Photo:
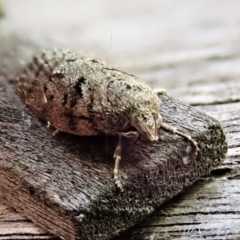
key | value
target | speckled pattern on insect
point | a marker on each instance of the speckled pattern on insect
(85, 96)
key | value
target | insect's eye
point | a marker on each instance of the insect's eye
(144, 118)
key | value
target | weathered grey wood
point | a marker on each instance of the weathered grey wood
(210, 209)
(14, 226)
(190, 48)
(65, 184)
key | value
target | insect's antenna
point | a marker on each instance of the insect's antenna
(173, 130)
(110, 46)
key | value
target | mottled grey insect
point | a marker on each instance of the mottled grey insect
(85, 96)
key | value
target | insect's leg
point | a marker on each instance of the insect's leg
(133, 135)
(160, 91)
(117, 157)
(169, 128)
(55, 132)
(44, 97)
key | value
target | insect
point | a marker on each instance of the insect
(85, 96)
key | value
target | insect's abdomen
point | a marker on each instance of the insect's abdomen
(55, 90)
(81, 95)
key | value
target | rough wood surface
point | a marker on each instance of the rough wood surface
(210, 209)
(15, 226)
(65, 184)
(184, 46)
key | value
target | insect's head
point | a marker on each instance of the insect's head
(147, 121)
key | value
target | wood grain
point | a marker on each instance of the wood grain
(185, 47)
(210, 209)
(15, 226)
(65, 184)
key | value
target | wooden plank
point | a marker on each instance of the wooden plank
(14, 226)
(65, 184)
(190, 50)
(209, 209)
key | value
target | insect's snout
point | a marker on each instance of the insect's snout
(149, 139)
(153, 138)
